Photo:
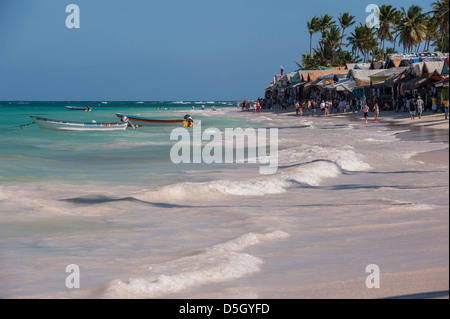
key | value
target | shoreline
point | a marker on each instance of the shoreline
(432, 128)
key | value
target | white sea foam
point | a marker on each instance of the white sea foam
(310, 174)
(313, 165)
(219, 263)
(345, 157)
(202, 102)
(406, 206)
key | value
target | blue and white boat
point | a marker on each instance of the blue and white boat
(51, 124)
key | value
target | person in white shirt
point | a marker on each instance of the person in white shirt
(322, 107)
(420, 106)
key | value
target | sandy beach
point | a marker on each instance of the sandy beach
(346, 195)
(431, 281)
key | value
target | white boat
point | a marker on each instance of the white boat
(51, 124)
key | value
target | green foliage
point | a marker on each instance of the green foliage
(409, 28)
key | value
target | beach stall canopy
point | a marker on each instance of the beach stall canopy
(383, 75)
(344, 85)
(396, 78)
(433, 67)
(362, 77)
(314, 75)
(416, 83)
(393, 62)
(358, 66)
(324, 80)
(442, 84)
(376, 65)
(417, 68)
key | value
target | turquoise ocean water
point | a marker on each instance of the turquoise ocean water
(141, 157)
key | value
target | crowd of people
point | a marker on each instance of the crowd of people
(414, 105)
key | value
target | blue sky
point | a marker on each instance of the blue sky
(156, 50)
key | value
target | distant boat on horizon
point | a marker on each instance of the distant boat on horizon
(79, 108)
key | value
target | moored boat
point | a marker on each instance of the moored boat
(143, 121)
(52, 124)
(79, 108)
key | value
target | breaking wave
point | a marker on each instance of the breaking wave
(219, 263)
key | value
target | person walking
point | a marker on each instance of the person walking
(412, 109)
(297, 108)
(366, 112)
(434, 104)
(376, 109)
(445, 104)
(420, 105)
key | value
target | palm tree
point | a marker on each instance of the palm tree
(325, 22)
(333, 39)
(397, 23)
(308, 62)
(346, 20)
(345, 57)
(313, 27)
(432, 31)
(390, 51)
(387, 18)
(441, 12)
(363, 40)
(321, 56)
(412, 28)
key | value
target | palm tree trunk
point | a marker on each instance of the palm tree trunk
(342, 36)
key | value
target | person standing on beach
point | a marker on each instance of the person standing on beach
(434, 104)
(420, 105)
(297, 108)
(445, 104)
(376, 109)
(322, 107)
(366, 111)
(412, 109)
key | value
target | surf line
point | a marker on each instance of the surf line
(229, 147)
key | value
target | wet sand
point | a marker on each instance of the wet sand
(438, 157)
(432, 127)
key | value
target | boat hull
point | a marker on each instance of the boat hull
(51, 124)
(142, 121)
(79, 108)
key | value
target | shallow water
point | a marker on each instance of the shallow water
(345, 195)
